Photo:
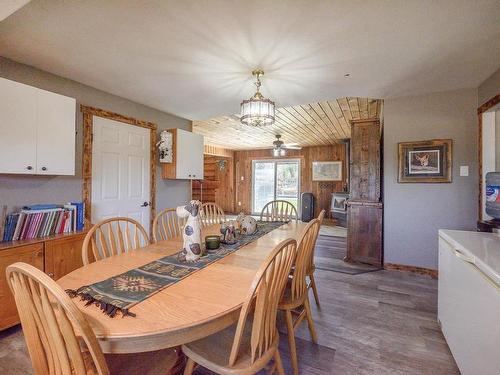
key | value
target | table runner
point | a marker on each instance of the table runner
(119, 293)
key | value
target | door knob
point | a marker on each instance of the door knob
(145, 204)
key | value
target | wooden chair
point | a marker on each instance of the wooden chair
(112, 237)
(248, 347)
(59, 339)
(296, 297)
(167, 225)
(211, 213)
(312, 267)
(279, 210)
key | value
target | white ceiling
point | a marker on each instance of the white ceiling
(7, 7)
(193, 58)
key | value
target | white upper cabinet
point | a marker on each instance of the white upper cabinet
(187, 161)
(37, 130)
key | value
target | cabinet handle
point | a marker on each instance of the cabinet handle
(464, 257)
(50, 274)
(44, 168)
(29, 167)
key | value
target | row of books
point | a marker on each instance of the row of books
(44, 220)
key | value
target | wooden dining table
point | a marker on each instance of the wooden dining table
(203, 303)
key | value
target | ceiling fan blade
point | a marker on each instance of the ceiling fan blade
(292, 147)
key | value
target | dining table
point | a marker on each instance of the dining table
(202, 303)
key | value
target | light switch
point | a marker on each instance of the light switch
(464, 170)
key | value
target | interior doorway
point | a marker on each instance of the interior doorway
(119, 166)
(275, 179)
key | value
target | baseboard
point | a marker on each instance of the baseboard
(418, 270)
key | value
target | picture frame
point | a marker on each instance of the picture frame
(425, 161)
(327, 171)
(339, 202)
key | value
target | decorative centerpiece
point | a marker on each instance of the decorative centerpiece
(191, 234)
(246, 224)
(228, 231)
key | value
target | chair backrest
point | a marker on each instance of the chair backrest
(265, 294)
(279, 210)
(112, 237)
(167, 225)
(321, 216)
(304, 259)
(211, 213)
(50, 319)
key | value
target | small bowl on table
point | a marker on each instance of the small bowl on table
(212, 242)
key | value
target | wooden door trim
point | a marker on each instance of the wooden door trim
(481, 109)
(88, 125)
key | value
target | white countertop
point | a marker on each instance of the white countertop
(481, 249)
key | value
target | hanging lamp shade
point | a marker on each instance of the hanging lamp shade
(257, 111)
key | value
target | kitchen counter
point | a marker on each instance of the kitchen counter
(479, 248)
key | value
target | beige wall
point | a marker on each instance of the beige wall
(16, 190)
(413, 213)
(489, 88)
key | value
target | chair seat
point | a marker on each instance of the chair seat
(213, 352)
(158, 362)
(287, 302)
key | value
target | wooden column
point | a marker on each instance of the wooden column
(364, 211)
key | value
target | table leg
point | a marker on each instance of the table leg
(180, 363)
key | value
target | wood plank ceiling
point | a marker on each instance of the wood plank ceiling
(322, 123)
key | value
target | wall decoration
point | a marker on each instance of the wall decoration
(221, 164)
(425, 161)
(165, 147)
(327, 171)
(339, 202)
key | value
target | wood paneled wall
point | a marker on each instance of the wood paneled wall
(218, 183)
(321, 190)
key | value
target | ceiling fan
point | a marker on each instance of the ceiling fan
(279, 147)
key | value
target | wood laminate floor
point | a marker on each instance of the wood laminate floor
(381, 322)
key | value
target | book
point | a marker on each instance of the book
(80, 212)
(38, 207)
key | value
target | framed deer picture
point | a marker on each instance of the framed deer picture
(425, 161)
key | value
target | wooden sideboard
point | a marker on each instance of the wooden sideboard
(56, 256)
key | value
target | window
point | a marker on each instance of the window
(275, 179)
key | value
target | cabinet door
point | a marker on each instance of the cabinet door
(31, 254)
(63, 256)
(197, 148)
(468, 303)
(17, 127)
(55, 134)
(184, 155)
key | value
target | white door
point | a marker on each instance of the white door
(120, 171)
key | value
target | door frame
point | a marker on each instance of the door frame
(88, 126)
(490, 103)
(276, 161)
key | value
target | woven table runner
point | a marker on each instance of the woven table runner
(119, 293)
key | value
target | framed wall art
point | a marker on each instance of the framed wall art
(425, 161)
(327, 171)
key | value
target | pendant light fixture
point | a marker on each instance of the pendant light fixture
(257, 111)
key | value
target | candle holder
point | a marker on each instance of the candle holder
(212, 242)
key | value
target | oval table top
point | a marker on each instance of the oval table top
(195, 307)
